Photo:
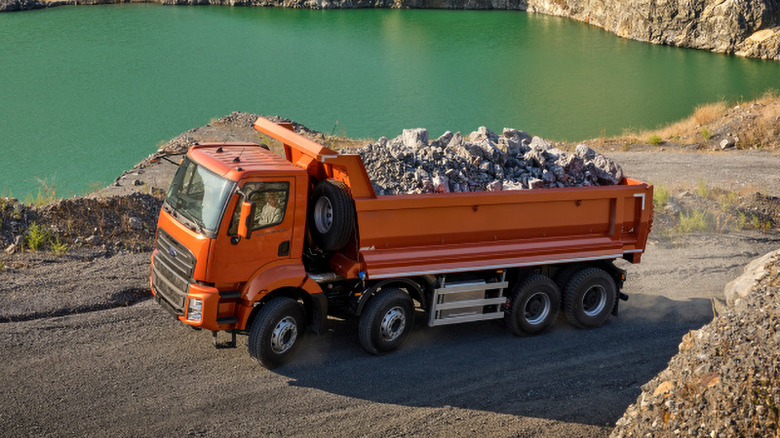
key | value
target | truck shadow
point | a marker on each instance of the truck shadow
(580, 376)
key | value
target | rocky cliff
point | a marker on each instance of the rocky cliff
(739, 27)
(748, 28)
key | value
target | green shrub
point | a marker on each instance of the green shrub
(46, 194)
(35, 237)
(694, 221)
(661, 196)
(727, 200)
(655, 139)
(741, 220)
(58, 247)
(705, 133)
(702, 189)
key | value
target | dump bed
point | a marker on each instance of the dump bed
(408, 235)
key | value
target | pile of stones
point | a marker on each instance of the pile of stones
(484, 161)
(725, 380)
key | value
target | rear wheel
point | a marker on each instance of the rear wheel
(276, 332)
(589, 298)
(386, 321)
(564, 275)
(534, 306)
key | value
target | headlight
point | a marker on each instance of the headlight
(194, 310)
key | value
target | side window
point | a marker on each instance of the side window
(270, 200)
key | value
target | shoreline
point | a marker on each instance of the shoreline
(750, 31)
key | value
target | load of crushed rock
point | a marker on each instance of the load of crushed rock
(484, 161)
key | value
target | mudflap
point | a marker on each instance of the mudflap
(621, 297)
(319, 314)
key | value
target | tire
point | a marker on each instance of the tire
(589, 298)
(276, 332)
(386, 321)
(565, 273)
(563, 276)
(332, 218)
(534, 306)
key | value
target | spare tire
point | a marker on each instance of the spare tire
(332, 215)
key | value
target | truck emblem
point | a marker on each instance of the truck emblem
(172, 252)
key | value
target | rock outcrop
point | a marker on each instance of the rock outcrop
(739, 27)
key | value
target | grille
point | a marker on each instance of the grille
(172, 270)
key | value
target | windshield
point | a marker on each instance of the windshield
(198, 195)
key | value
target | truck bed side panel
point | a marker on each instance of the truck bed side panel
(413, 234)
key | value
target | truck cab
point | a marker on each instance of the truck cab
(203, 270)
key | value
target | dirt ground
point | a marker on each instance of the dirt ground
(87, 353)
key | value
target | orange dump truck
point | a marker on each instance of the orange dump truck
(250, 242)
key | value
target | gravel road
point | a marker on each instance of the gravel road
(74, 365)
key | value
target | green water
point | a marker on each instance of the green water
(86, 92)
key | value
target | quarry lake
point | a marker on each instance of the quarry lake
(89, 91)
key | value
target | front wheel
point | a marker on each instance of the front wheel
(386, 321)
(534, 306)
(276, 332)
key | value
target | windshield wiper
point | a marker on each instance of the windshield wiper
(189, 216)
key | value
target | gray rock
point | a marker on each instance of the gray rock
(443, 140)
(585, 152)
(540, 143)
(135, 224)
(482, 133)
(415, 138)
(726, 143)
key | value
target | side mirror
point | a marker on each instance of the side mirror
(246, 219)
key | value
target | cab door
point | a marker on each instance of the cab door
(235, 258)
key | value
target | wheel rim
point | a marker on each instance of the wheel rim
(393, 324)
(537, 308)
(323, 214)
(593, 300)
(284, 335)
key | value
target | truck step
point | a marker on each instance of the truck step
(467, 301)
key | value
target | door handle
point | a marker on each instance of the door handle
(284, 249)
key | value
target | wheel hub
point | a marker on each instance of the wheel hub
(392, 324)
(284, 335)
(537, 308)
(323, 215)
(593, 300)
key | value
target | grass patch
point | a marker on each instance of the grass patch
(46, 193)
(727, 200)
(694, 221)
(35, 237)
(742, 220)
(661, 196)
(702, 190)
(705, 133)
(708, 112)
(655, 139)
(58, 247)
